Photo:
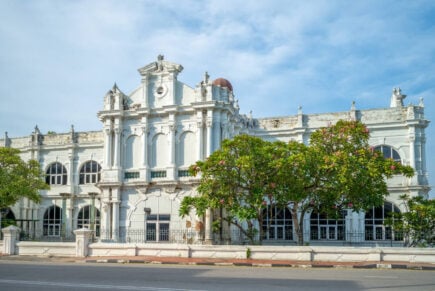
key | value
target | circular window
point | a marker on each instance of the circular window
(160, 91)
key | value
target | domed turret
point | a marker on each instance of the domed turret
(224, 83)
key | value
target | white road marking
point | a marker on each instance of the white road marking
(382, 277)
(94, 286)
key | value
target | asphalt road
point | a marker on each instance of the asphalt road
(77, 276)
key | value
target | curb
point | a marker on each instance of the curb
(266, 265)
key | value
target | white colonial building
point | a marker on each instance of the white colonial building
(127, 180)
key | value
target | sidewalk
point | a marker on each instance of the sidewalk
(224, 262)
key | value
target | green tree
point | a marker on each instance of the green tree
(339, 170)
(18, 179)
(417, 223)
(297, 182)
(236, 180)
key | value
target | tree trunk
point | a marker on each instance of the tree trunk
(260, 228)
(298, 224)
(301, 230)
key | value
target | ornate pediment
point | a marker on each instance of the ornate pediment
(160, 66)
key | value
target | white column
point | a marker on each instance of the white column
(172, 145)
(199, 140)
(108, 147)
(208, 226)
(170, 170)
(116, 201)
(70, 215)
(209, 125)
(412, 152)
(71, 171)
(145, 146)
(145, 163)
(423, 153)
(115, 220)
(117, 148)
(217, 132)
(208, 149)
(105, 214)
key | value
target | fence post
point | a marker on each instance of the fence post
(10, 237)
(83, 237)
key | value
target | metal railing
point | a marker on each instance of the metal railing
(233, 237)
(45, 235)
(187, 236)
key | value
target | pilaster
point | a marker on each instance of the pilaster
(145, 159)
(117, 148)
(209, 128)
(108, 147)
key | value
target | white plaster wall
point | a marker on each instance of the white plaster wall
(158, 201)
(55, 249)
(159, 151)
(132, 152)
(187, 149)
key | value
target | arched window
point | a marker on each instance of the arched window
(323, 227)
(52, 221)
(389, 153)
(56, 174)
(374, 223)
(277, 224)
(84, 219)
(90, 173)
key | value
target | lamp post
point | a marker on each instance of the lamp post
(64, 197)
(92, 210)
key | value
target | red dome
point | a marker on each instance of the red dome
(224, 83)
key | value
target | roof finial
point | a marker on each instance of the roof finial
(37, 130)
(421, 103)
(397, 98)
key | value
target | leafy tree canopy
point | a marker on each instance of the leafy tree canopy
(18, 179)
(351, 173)
(338, 170)
(235, 179)
(417, 224)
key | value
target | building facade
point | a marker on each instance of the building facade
(131, 176)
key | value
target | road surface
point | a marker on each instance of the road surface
(81, 276)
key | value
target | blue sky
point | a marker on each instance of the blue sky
(59, 58)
